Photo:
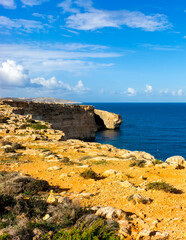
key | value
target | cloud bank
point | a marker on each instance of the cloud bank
(83, 16)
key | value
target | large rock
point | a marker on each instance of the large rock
(177, 161)
(111, 213)
(14, 183)
(107, 120)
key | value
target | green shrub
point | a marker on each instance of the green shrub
(163, 186)
(156, 161)
(138, 163)
(38, 126)
(100, 162)
(5, 236)
(89, 174)
(98, 231)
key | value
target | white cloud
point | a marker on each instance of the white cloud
(67, 6)
(131, 92)
(32, 3)
(158, 47)
(21, 24)
(165, 91)
(12, 74)
(148, 88)
(52, 83)
(87, 4)
(180, 92)
(8, 4)
(85, 17)
(48, 83)
(63, 57)
(49, 18)
(97, 19)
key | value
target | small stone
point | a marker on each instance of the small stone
(51, 198)
(54, 168)
(46, 217)
(127, 184)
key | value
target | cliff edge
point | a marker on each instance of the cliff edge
(76, 121)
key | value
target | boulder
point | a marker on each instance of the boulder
(111, 213)
(137, 198)
(177, 161)
(110, 172)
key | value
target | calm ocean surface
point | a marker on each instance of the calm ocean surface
(157, 128)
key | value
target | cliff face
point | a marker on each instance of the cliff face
(76, 121)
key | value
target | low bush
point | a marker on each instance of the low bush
(137, 163)
(155, 162)
(38, 126)
(99, 230)
(163, 186)
(89, 174)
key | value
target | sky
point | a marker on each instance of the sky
(94, 50)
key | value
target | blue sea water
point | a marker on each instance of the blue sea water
(156, 128)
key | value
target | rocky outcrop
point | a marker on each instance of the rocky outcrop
(76, 121)
(107, 120)
(177, 161)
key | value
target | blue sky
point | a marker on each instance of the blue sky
(93, 50)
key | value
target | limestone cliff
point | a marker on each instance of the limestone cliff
(107, 120)
(76, 121)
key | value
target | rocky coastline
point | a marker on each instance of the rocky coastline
(53, 187)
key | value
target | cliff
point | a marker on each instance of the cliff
(76, 121)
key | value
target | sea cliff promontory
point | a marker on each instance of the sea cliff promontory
(76, 121)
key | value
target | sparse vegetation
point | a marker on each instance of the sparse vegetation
(128, 175)
(99, 230)
(38, 126)
(163, 186)
(99, 162)
(137, 163)
(89, 174)
(85, 158)
(156, 161)
(3, 119)
(31, 121)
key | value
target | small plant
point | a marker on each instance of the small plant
(38, 126)
(156, 161)
(163, 186)
(85, 158)
(16, 146)
(89, 174)
(138, 163)
(31, 121)
(99, 162)
(128, 175)
(4, 143)
(3, 119)
(5, 236)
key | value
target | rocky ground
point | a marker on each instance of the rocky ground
(137, 196)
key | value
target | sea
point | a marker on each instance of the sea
(156, 128)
